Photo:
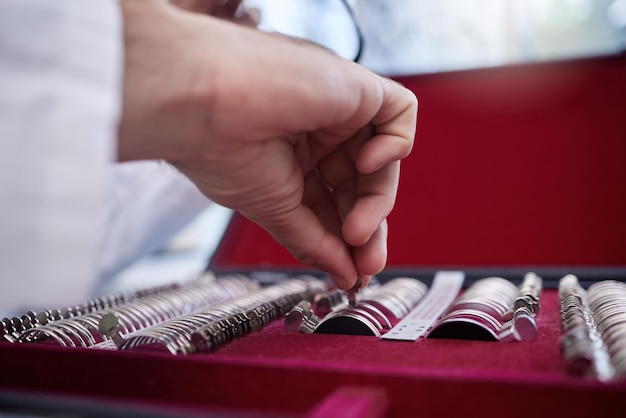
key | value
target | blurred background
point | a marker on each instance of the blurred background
(424, 36)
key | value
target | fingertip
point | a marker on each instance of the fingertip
(371, 258)
(367, 278)
(382, 151)
(369, 265)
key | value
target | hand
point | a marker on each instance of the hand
(304, 143)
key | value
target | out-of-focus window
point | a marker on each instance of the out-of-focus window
(418, 36)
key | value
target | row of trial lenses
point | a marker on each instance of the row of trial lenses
(218, 333)
(210, 328)
(529, 294)
(378, 311)
(492, 295)
(607, 302)
(485, 303)
(12, 328)
(83, 330)
(325, 302)
(305, 316)
(526, 307)
(152, 309)
(577, 345)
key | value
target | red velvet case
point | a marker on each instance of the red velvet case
(515, 168)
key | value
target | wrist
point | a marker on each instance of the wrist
(160, 110)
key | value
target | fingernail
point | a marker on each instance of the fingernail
(366, 279)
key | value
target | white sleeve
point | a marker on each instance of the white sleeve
(149, 202)
(60, 78)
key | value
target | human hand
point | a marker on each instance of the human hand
(304, 143)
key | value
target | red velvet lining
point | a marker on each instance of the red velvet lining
(279, 372)
(512, 166)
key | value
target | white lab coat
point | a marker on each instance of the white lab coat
(68, 216)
